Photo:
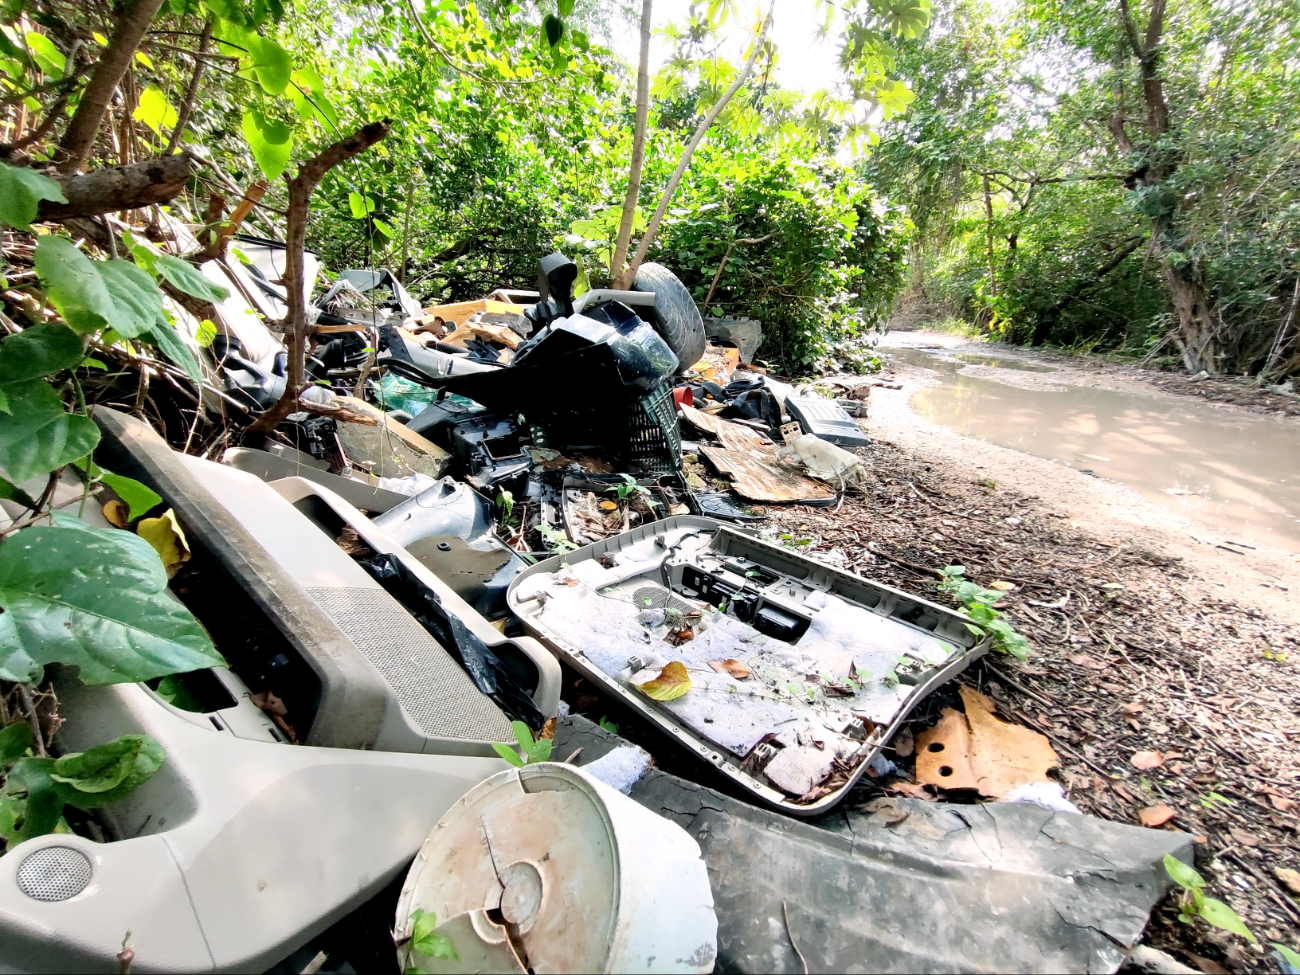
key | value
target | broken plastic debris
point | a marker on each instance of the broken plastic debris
(981, 751)
(620, 769)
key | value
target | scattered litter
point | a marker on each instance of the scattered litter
(1049, 795)
(620, 769)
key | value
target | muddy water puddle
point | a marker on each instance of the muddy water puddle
(1232, 471)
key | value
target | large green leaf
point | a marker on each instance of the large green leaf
(154, 110)
(139, 498)
(271, 64)
(270, 140)
(171, 345)
(137, 301)
(14, 742)
(93, 294)
(40, 812)
(39, 436)
(47, 57)
(12, 492)
(21, 192)
(39, 350)
(107, 772)
(93, 599)
(188, 278)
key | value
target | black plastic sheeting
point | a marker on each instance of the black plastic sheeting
(485, 668)
(991, 887)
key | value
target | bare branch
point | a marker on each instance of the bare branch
(638, 145)
(191, 92)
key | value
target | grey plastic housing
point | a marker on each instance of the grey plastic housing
(234, 854)
(805, 575)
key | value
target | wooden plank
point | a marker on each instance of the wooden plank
(461, 310)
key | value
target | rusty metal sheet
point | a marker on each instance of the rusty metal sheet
(750, 460)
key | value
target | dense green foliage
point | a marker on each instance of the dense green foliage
(1139, 202)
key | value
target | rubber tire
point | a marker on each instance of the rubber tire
(675, 316)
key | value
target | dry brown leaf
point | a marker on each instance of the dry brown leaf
(1208, 965)
(1290, 878)
(269, 703)
(571, 582)
(885, 811)
(1133, 707)
(912, 790)
(1002, 584)
(672, 683)
(1156, 815)
(1282, 803)
(904, 743)
(548, 730)
(167, 539)
(1147, 760)
(116, 513)
(731, 666)
(608, 506)
(1083, 660)
(1242, 837)
(676, 638)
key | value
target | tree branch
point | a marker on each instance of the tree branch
(79, 138)
(1130, 32)
(638, 146)
(121, 188)
(301, 188)
(191, 92)
(625, 278)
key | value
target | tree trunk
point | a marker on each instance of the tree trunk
(638, 147)
(988, 224)
(121, 188)
(301, 188)
(79, 139)
(626, 277)
(1195, 335)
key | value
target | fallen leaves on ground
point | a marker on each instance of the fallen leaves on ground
(1147, 760)
(672, 683)
(732, 667)
(1157, 815)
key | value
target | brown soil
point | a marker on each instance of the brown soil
(1145, 655)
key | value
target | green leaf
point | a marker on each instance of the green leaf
(171, 345)
(39, 435)
(186, 277)
(270, 63)
(93, 599)
(425, 922)
(206, 333)
(1222, 916)
(540, 751)
(383, 228)
(107, 772)
(139, 498)
(14, 742)
(47, 57)
(153, 110)
(425, 942)
(76, 287)
(509, 754)
(12, 492)
(1182, 874)
(552, 29)
(137, 302)
(37, 351)
(270, 140)
(40, 813)
(21, 192)
(1292, 958)
(361, 206)
(565, 7)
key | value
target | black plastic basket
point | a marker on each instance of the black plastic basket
(654, 440)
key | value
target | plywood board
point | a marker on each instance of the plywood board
(750, 460)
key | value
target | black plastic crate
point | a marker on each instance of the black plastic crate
(654, 439)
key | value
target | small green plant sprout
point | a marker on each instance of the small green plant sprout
(1193, 903)
(609, 725)
(977, 603)
(556, 540)
(1212, 800)
(629, 487)
(530, 751)
(424, 942)
(506, 502)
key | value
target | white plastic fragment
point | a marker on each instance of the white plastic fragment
(620, 769)
(824, 460)
(410, 486)
(1049, 795)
